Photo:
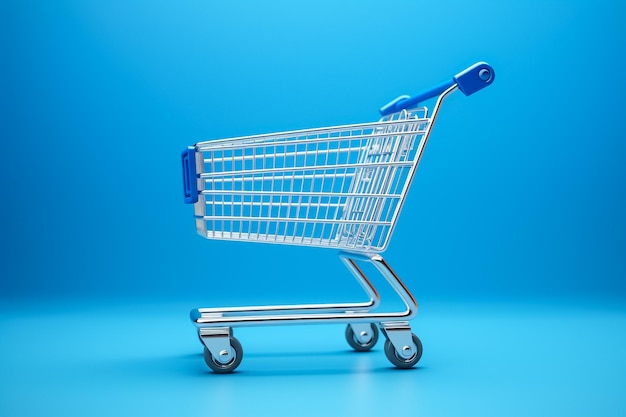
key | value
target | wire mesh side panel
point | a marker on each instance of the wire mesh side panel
(334, 187)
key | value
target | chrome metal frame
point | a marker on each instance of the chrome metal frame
(318, 313)
(215, 324)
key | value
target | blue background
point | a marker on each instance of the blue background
(519, 199)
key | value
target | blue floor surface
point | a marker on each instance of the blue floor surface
(493, 358)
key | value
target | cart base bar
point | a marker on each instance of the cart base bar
(223, 352)
(318, 313)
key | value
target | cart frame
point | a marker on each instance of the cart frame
(223, 352)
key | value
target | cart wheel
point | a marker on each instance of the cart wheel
(394, 358)
(224, 368)
(356, 344)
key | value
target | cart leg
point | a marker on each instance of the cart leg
(350, 260)
(402, 348)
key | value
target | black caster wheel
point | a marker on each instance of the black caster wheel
(400, 362)
(356, 344)
(225, 368)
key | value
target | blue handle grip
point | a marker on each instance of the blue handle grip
(475, 78)
(190, 184)
(472, 79)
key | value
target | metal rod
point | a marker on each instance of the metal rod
(304, 135)
(319, 313)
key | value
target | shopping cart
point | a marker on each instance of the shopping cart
(339, 187)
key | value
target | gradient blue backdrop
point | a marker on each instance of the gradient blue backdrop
(521, 190)
(520, 196)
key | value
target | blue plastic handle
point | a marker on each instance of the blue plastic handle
(469, 81)
(190, 184)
